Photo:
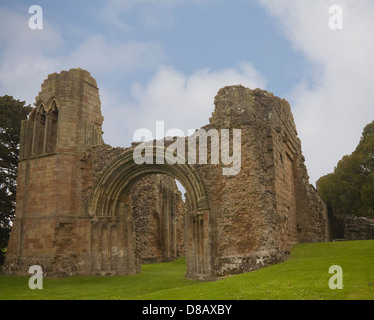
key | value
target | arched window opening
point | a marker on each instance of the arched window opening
(38, 130)
(51, 132)
(44, 128)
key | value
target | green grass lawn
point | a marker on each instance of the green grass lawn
(304, 276)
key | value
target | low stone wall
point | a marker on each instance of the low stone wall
(351, 227)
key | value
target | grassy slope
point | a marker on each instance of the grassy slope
(304, 276)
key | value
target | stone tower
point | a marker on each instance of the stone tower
(65, 123)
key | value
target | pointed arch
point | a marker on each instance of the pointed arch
(39, 120)
(44, 122)
(123, 172)
(52, 105)
(50, 140)
(109, 203)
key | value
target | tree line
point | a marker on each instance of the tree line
(350, 188)
(12, 112)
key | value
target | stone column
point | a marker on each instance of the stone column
(129, 261)
(165, 225)
(115, 252)
(197, 245)
(105, 247)
(95, 246)
(173, 227)
(189, 235)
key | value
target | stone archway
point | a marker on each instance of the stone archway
(113, 236)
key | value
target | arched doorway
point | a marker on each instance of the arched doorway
(113, 236)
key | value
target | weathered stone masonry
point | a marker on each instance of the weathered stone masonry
(76, 207)
(352, 227)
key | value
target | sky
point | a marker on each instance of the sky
(166, 60)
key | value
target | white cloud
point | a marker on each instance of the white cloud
(331, 113)
(25, 55)
(182, 101)
(28, 56)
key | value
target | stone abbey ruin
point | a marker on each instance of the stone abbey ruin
(85, 208)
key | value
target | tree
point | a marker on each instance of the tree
(350, 188)
(12, 112)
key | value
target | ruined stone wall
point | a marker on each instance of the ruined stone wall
(257, 216)
(269, 206)
(158, 211)
(146, 212)
(83, 208)
(352, 227)
(244, 226)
